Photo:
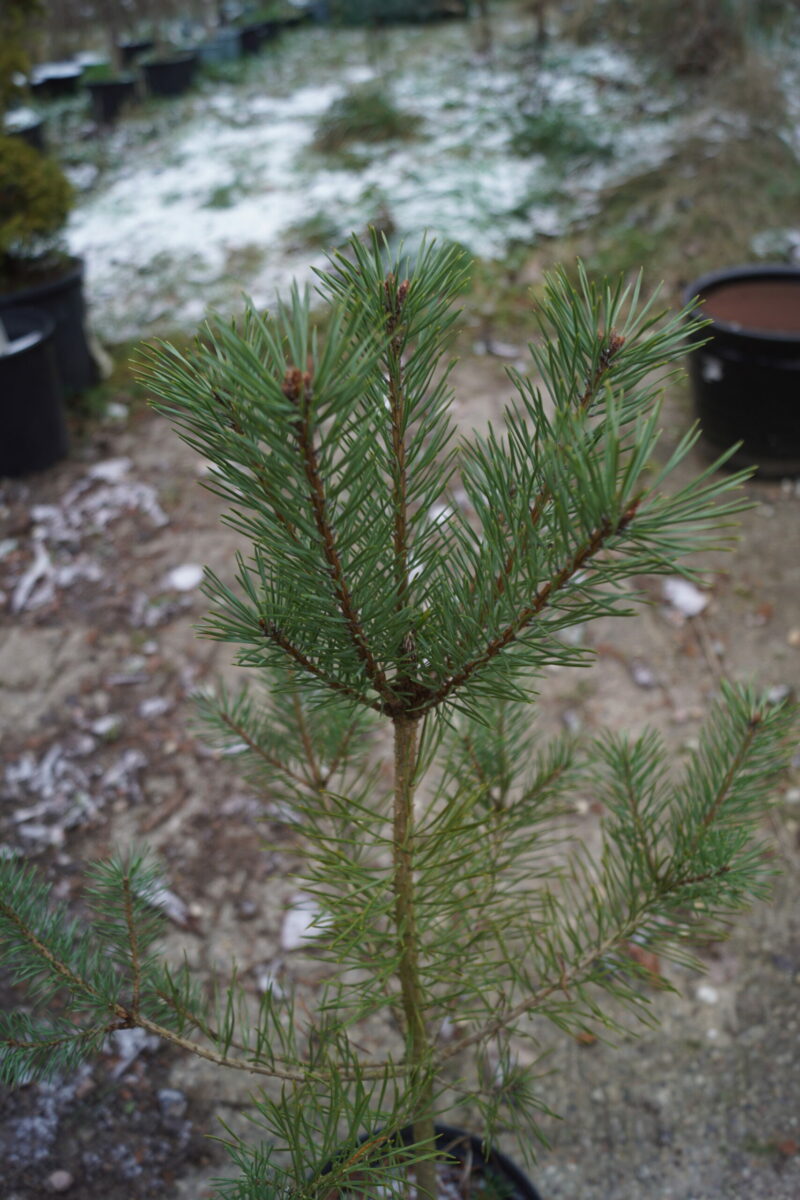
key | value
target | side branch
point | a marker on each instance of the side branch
(543, 596)
(394, 300)
(275, 763)
(278, 638)
(297, 387)
(257, 467)
(133, 943)
(580, 974)
(613, 344)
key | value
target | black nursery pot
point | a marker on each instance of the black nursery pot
(32, 134)
(109, 97)
(495, 1169)
(56, 85)
(61, 297)
(130, 51)
(33, 432)
(746, 379)
(170, 76)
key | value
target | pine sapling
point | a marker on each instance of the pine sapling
(404, 592)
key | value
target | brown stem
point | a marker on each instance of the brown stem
(308, 745)
(411, 988)
(269, 759)
(638, 823)
(278, 637)
(399, 481)
(319, 506)
(133, 942)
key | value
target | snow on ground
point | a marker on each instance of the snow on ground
(193, 208)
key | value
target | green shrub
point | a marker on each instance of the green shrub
(559, 133)
(696, 38)
(365, 114)
(15, 18)
(35, 201)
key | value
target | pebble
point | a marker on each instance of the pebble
(173, 1104)
(793, 638)
(684, 596)
(299, 927)
(779, 693)
(59, 1181)
(154, 706)
(642, 676)
(707, 993)
(109, 726)
(184, 578)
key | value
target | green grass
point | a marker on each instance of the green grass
(318, 232)
(559, 134)
(364, 114)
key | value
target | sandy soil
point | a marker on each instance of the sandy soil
(97, 661)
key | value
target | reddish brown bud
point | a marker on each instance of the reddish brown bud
(292, 386)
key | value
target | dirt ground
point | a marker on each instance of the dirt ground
(97, 662)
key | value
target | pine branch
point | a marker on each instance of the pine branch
(599, 540)
(298, 388)
(299, 659)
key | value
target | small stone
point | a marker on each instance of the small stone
(108, 727)
(59, 1181)
(300, 923)
(154, 706)
(792, 796)
(184, 578)
(793, 638)
(267, 981)
(116, 412)
(572, 721)
(779, 693)
(642, 676)
(707, 994)
(173, 1104)
(684, 596)
(247, 909)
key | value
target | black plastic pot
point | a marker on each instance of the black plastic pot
(32, 134)
(170, 76)
(746, 380)
(55, 83)
(33, 431)
(495, 1169)
(109, 97)
(254, 34)
(511, 1182)
(61, 297)
(130, 51)
(225, 46)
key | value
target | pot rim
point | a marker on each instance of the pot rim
(20, 297)
(36, 320)
(99, 84)
(715, 280)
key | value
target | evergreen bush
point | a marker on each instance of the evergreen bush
(35, 202)
(404, 582)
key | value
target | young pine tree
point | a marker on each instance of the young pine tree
(405, 579)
